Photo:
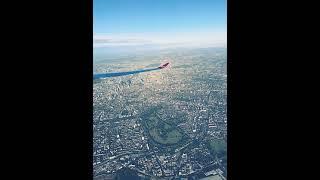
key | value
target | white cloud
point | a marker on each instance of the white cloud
(161, 39)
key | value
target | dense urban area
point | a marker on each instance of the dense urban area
(165, 124)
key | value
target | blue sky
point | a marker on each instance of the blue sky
(157, 21)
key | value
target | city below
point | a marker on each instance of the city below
(165, 124)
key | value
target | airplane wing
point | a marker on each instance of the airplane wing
(115, 74)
